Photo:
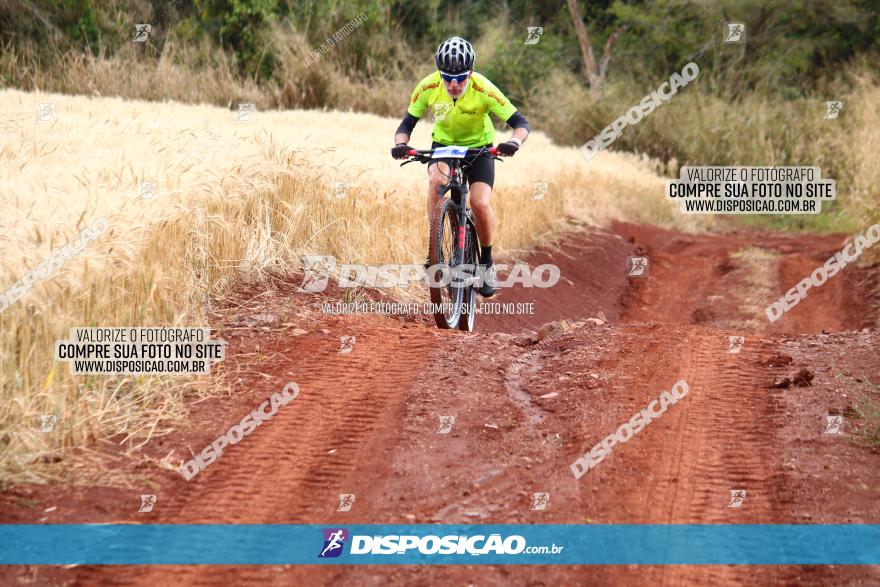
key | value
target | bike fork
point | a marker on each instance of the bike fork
(462, 223)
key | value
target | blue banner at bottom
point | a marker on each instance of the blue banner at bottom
(485, 544)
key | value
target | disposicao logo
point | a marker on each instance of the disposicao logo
(410, 544)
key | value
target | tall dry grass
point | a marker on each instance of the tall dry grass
(860, 148)
(198, 72)
(700, 126)
(233, 201)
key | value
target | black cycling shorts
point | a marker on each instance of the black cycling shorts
(482, 168)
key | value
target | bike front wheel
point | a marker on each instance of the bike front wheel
(444, 256)
(471, 259)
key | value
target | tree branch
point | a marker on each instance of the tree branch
(606, 54)
(583, 38)
(595, 75)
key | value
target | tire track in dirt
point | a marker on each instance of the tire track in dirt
(312, 444)
(726, 434)
(292, 468)
(723, 441)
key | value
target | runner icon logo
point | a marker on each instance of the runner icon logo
(346, 500)
(535, 33)
(446, 423)
(316, 272)
(539, 190)
(441, 109)
(48, 422)
(735, 344)
(334, 542)
(833, 424)
(148, 190)
(45, 112)
(147, 503)
(142, 32)
(735, 32)
(832, 109)
(246, 111)
(341, 189)
(346, 344)
(736, 498)
(637, 266)
(540, 501)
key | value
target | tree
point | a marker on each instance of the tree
(595, 74)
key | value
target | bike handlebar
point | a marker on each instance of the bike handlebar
(424, 155)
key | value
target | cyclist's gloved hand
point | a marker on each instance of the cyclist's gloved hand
(400, 151)
(507, 149)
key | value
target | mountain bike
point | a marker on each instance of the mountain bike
(454, 248)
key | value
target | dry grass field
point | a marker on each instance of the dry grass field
(233, 199)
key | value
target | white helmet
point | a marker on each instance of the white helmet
(455, 56)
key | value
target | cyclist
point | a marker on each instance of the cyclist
(461, 105)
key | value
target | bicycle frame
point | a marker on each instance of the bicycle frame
(457, 184)
(464, 246)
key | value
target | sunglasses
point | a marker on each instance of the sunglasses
(455, 78)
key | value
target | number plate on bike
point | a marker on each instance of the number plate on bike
(449, 152)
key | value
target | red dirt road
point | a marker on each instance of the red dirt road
(366, 422)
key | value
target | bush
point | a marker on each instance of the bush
(238, 24)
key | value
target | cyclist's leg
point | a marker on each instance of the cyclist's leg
(481, 177)
(438, 175)
(480, 196)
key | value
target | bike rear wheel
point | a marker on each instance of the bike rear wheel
(444, 255)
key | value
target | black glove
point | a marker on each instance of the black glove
(507, 149)
(400, 151)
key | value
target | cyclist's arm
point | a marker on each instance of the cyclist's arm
(520, 127)
(418, 103)
(405, 129)
(501, 107)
